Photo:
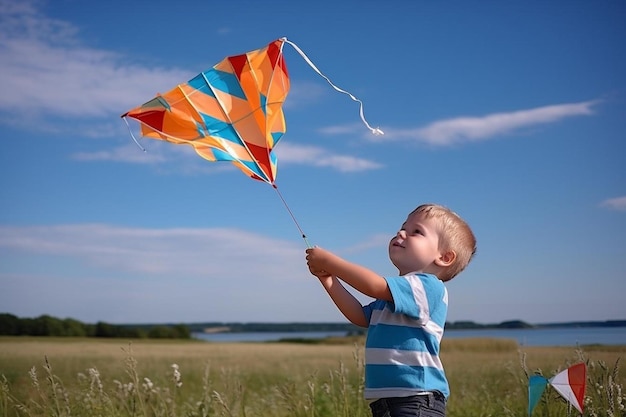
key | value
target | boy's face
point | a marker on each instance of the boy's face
(416, 246)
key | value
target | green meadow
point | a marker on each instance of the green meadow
(113, 377)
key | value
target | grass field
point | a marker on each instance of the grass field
(95, 377)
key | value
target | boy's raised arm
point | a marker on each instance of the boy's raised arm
(358, 277)
(349, 306)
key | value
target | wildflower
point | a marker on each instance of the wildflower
(95, 378)
(147, 384)
(176, 376)
(33, 377)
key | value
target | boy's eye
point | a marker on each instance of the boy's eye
(417, 232)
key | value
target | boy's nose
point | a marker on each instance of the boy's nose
(402, 234)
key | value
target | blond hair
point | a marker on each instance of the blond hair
(454, 235)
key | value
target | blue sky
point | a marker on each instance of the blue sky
(511, 113)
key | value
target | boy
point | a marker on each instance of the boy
(403, 372)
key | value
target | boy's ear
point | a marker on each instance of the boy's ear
(446, 259)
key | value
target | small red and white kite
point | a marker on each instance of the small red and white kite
(570, 383)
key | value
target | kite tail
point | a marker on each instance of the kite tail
(376, 130)
(308, 245)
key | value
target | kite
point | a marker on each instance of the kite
(570, 383)
(231, 112)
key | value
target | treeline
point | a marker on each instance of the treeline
(518, 324)
(235, 327)
(470, 325)
(45, 325)
(607, 323)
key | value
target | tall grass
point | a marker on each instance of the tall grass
(48, 377)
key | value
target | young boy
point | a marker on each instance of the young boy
(403, 372)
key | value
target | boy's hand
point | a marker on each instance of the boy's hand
(315, 257)
(326, 266)
(363, 280)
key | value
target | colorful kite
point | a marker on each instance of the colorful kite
(231, 112)
(570, 383)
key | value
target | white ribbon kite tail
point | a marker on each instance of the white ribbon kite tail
(376, 130)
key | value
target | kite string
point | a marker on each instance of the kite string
(133, 136)
(376, 130)
(308, 245)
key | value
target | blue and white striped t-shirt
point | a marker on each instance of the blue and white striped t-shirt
(402, 346)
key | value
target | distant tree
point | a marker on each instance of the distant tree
(46, 325)
(132, 332)
(182, 331)
(161, 332)
(74, 328)
(458, 325)
(179, 331)
(27, 326)
(105, 330)
(9, 325)
(90, 330)
(514, 324)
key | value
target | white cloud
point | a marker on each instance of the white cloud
(347, 129)
(46, 71)
(315, 156)
(479, 128)
(303, 93)
(185, 252)
(379, 241)
(472, 129)
(180, 158)
(617, 203)
(127, 153)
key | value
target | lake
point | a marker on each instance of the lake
(557, 336)
(564, 336)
